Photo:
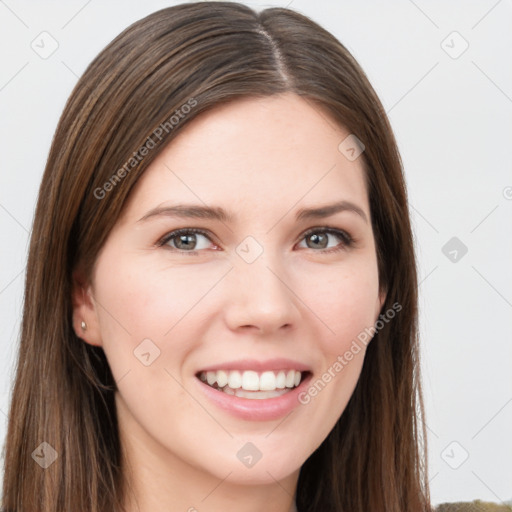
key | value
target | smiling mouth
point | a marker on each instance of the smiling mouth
(253, 385)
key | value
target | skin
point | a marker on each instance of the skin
(263, 160)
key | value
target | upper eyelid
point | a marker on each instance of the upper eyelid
(326, 229)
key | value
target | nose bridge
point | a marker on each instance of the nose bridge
(259, 295)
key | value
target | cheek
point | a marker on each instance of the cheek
(139, 301)
(145, 299)
(346, 304)
(345, 301)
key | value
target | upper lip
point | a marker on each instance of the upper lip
(258, 365)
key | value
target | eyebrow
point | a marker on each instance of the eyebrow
(330, 209)
(217, 213)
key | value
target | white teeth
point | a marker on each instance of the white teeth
(258, 395)
(222, 378)
(251, 380)
(267, 381)
(290, 379)
(211, 378)
(281, 380)
(234, 380)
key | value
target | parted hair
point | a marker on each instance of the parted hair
(203, 54)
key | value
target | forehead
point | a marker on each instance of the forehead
(253, 155)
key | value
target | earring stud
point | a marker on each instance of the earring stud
(83, 325)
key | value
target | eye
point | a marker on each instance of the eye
(322, 238)
(186, 240)
(191, 240)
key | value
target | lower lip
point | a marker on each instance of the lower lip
(254, 409)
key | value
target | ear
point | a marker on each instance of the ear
(84, 310)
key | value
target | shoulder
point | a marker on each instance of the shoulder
(473, 506)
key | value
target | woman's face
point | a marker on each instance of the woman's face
(263, 288)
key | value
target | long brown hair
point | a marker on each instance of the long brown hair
(201, 55)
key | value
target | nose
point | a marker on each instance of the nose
(259, 297)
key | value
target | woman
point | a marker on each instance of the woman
(276, 364)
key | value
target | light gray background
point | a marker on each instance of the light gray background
(452, 116)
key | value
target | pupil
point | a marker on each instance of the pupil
(320, 240)
(186, 241)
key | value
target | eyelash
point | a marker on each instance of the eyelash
(347, 240)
